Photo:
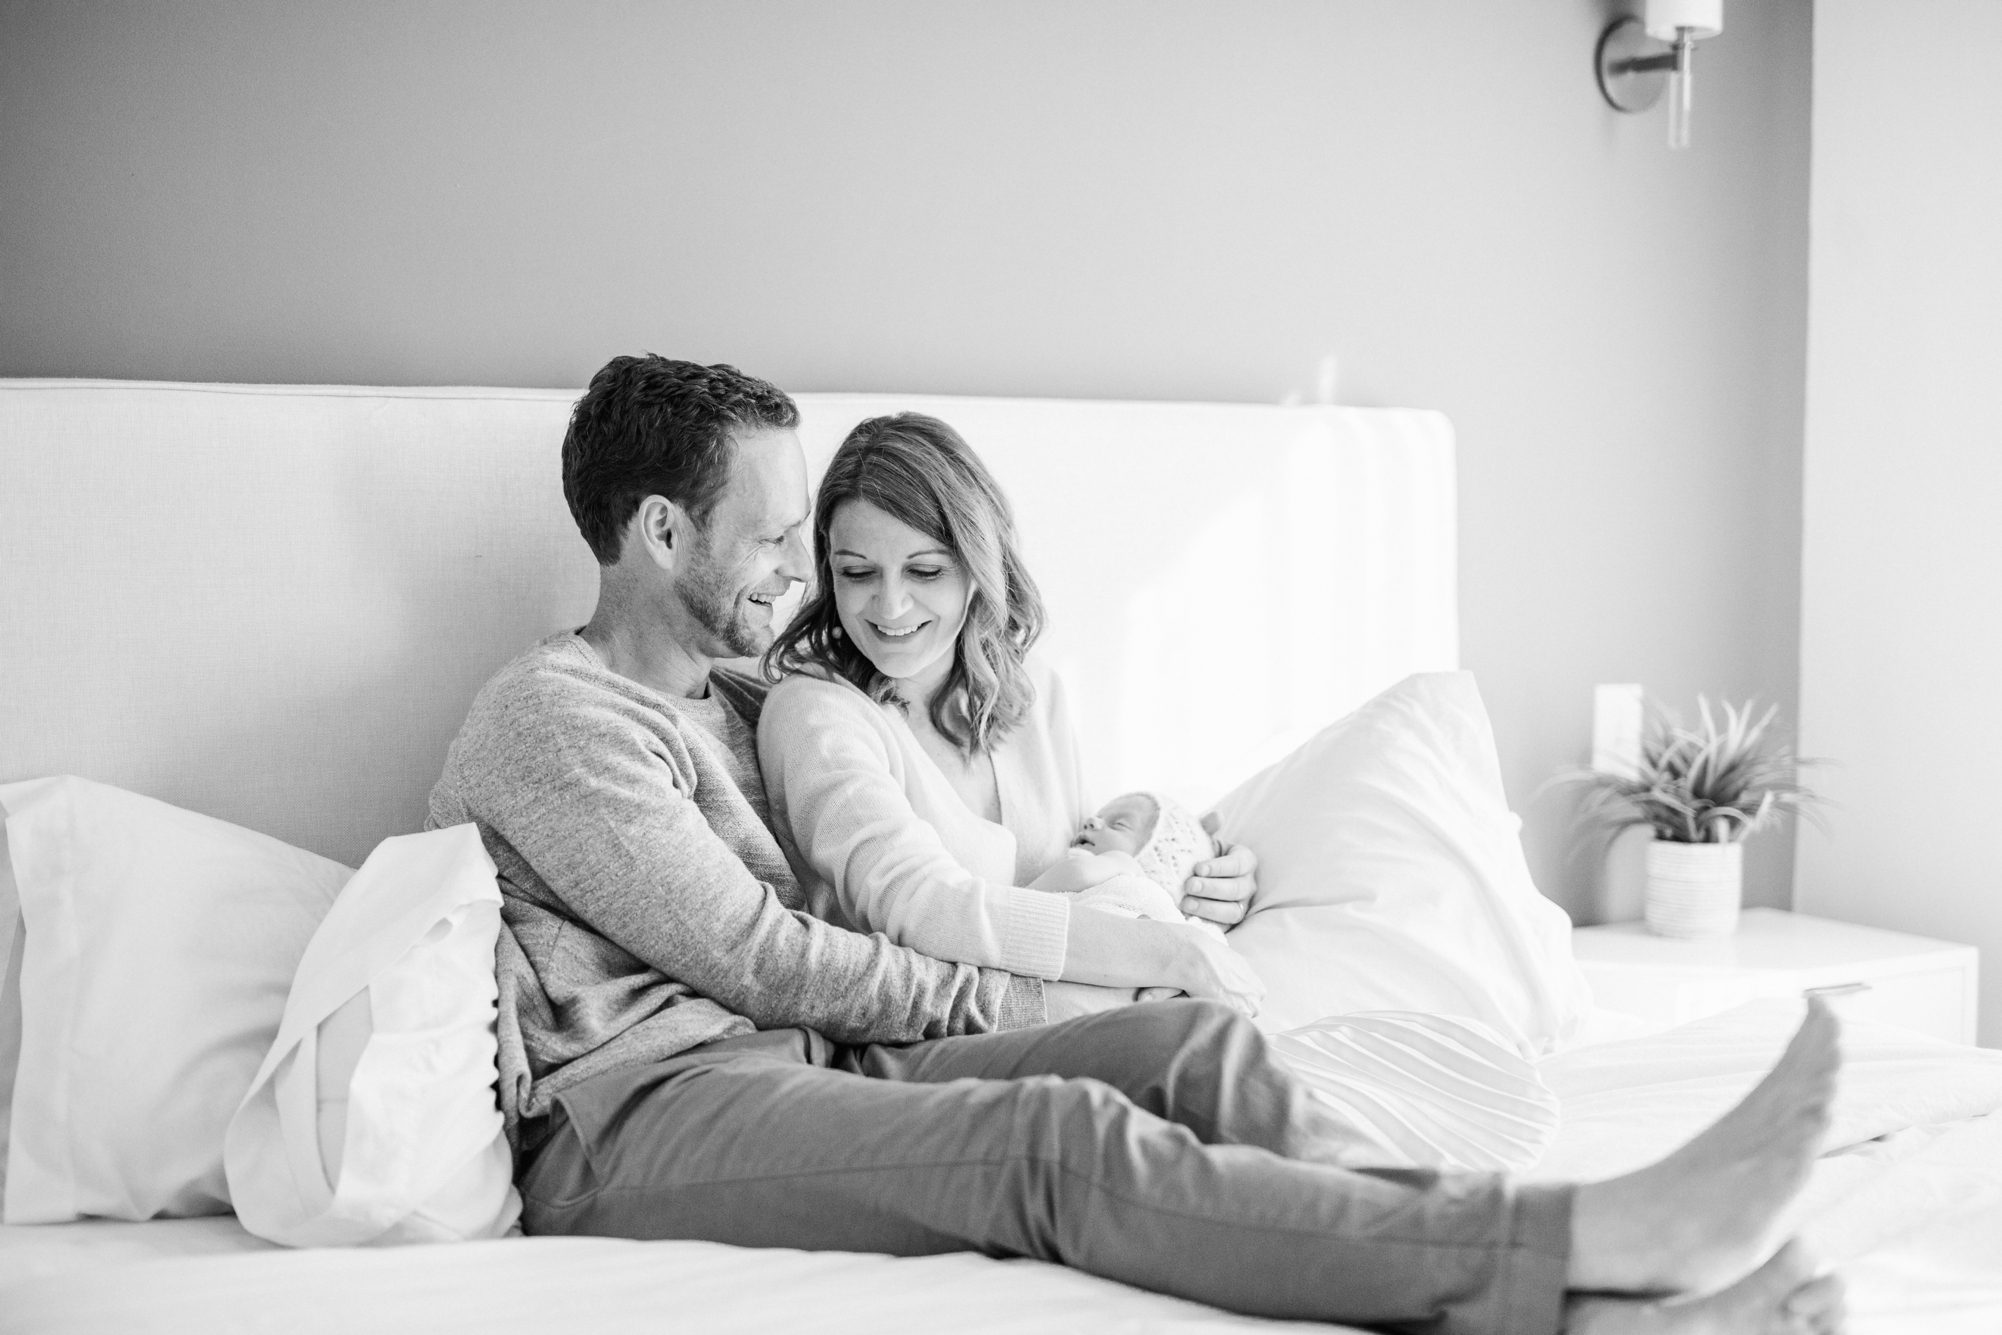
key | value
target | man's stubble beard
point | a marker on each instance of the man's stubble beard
(717, 610)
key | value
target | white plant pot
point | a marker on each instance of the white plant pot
(1693, 889)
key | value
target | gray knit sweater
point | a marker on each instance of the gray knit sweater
(648, 907)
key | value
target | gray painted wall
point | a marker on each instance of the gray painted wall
(1902, 559)
(1105, 198)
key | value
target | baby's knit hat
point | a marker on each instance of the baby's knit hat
(1178, 843)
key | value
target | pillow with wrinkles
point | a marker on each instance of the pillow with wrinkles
(373, 1119)
(1391, 876)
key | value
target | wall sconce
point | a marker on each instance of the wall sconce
(1637, 56)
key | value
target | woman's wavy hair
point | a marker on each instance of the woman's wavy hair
(920, 471)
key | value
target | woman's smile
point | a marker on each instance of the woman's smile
(901, 594)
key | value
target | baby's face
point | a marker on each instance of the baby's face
(1122, 825)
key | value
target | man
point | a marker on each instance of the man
(685, 1053)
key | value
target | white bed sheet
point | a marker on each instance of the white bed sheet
(1915, 1221)
(1912, 1216)
(605, 1286)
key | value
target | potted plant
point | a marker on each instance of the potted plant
(1701, 791)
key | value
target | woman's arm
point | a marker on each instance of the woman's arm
(837, 789)
(838, 796)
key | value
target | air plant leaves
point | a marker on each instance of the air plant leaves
(1714, 783)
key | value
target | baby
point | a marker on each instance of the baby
(1132, 858)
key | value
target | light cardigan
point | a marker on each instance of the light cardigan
(882, 842)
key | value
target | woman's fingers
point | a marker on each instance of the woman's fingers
(1220, 889)
(1232, 862)
(1221, 902)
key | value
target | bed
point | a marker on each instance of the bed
(271, 605)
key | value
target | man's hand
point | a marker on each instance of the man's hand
(1220, 888)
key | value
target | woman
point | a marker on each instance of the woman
(920, 771)
(921, 774)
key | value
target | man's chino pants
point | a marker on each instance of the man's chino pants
(1158, 1144)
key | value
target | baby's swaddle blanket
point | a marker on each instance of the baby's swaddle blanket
(1131, 895)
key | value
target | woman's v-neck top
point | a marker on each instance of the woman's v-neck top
(882, 842)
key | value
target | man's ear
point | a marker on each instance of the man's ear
(661, 528)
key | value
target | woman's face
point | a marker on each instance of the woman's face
(901, 596)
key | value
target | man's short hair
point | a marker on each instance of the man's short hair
(651, 426)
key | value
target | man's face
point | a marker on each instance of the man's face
(752, 549)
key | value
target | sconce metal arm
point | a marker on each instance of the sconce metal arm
(1633, 68)
(1673, 60)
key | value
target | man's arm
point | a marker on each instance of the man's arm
(582, 794)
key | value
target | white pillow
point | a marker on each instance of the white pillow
(158, 951)
(373, 1118)
(1391, 877)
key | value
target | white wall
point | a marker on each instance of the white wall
(1901, 625)
(1103, 198)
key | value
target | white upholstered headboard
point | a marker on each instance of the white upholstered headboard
(273, 603)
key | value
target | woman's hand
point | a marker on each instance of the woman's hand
(1220, 888)
(1209, 968)
(1115, 951)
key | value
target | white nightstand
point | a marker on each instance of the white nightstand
(1914, 981)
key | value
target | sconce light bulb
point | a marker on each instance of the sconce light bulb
(1681, 82)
